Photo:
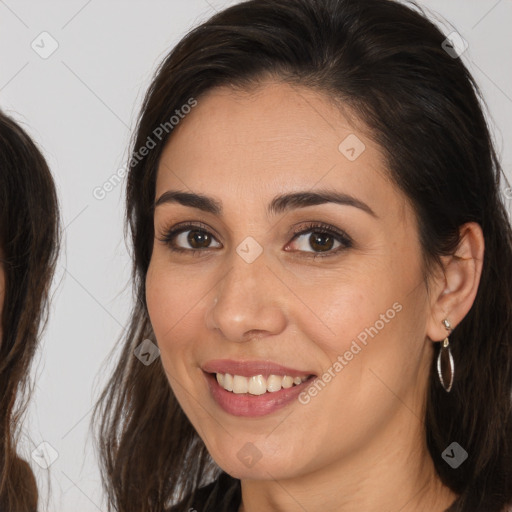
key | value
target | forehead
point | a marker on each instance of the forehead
(274, 139)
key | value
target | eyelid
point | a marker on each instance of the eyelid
(304, 228)
(322, 227)
(170, 233)
(174, 229)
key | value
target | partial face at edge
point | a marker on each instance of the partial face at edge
(305, 299)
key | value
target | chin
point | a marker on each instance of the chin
(251, 463)
(259, 471)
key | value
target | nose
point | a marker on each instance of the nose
(248, 303)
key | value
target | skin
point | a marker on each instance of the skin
(359, 444)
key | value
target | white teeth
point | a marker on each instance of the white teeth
(257, 384)
(228, 382)
(240, 384)
(274, 383)
(287, 382)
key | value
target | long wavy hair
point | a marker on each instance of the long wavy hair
(385, 60)
(29, 242)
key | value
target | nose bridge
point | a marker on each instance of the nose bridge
(245, 301)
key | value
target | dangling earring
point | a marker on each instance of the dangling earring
(445, 365)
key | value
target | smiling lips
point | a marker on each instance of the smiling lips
(257, 384)
(253, 388)
(254, 377)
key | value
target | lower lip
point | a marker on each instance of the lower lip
(245, 404)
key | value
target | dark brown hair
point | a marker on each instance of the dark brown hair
(385, 61)
(29, 238)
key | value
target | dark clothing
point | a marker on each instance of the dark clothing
(222, 495)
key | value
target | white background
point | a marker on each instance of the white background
(80, 105)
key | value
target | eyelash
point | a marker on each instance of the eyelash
(313, 227)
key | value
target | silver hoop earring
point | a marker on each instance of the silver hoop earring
(445, 365)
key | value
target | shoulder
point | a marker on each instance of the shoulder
(221, 495)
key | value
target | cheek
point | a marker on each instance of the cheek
(335, 307)
(368, 317)
(174, 303)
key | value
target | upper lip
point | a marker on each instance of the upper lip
(250, 368)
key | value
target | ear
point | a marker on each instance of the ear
(454, 288)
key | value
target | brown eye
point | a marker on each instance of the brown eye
(198, 239)
(321, 241)
(318, 239)
(317, 242)
(190, 238)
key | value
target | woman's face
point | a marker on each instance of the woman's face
(345, 302)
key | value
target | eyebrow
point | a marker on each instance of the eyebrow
(279, 204)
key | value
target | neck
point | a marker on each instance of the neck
(394, 472)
